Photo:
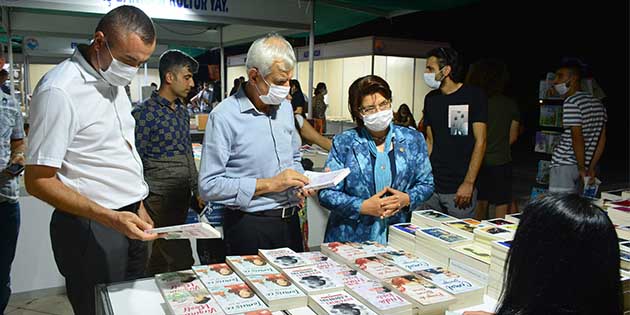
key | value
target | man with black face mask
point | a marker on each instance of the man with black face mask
(249, 166)
(455, 117)
(82, 159)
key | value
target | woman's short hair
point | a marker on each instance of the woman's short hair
(564, 260)
(362, 87)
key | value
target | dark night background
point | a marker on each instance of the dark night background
(531, 37)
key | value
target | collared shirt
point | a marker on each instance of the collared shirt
(82, 125)
(241, 145)
(164, 144)
(11, 128)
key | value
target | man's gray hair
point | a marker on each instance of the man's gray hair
(269, 49)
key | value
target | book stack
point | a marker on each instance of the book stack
(283, 258)
(381, 299)
(623, 232)
(618, 211)
(488, 234)
(472, 261)
(406, 261)
(625, 287)
(216, 275)
(434, 243)
(312, 280)
(378, 268)
(250, 265)
(300, 311)
(424, 295)
(314, 256)
(336, 303)
(616, 195)
(343, 252)
(372, 248)
(403, 236)
(237, 298)
(277, 291)
(625, 262)
(499, 252)
(430, 218)
(514, 217)
(185, 294)
(463, 227)
(465, 291)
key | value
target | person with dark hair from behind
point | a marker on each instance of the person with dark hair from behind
(4, 78)
(582, 143)
(320, 103)
(164, 144)
(297, 98)
(390, 172)
(455, 116)
(82, 158)
(564, 259)
(237, 85)
(404, 117)
(495, 176)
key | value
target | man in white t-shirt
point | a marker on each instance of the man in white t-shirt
(82, 158)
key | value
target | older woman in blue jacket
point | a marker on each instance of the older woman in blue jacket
(390, 172)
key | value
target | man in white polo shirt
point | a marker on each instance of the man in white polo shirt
(82, 158)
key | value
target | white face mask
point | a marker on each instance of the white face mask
(326, 99)
(276, 94)
(378, 121)
(561, 88)
(429, 79)
(118, 73)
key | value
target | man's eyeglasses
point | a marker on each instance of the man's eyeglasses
(371, 109)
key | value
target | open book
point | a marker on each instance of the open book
(319, 180)
(193, 230)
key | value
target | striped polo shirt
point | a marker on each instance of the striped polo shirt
(584, 110)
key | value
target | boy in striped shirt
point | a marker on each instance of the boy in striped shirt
(584, 137)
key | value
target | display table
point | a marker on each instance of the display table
(143, 297)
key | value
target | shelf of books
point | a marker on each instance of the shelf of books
(548, 134)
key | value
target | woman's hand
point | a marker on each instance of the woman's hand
(373, 205)
(395, 202)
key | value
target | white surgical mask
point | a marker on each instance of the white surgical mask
(429, 79)
(118, 73)
(561, 88)
(378, 121)
(276, 94)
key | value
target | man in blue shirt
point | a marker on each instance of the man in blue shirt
(249, 165)
(164, 144)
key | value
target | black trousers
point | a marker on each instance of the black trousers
(88, 253)
(165, 210)
(245, 233)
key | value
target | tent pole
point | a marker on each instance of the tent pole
(311, 44)
(222, 53)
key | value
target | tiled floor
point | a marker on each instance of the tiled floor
(51, 305)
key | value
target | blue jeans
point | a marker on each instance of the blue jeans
(9, 228)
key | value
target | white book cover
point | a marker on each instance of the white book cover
(350, 277)
(379, 296)
(315, 256)
(187, 231)
(250, 265)
(406, 261)
(237, 298)
(321, 180)
(330, 266)
(443, 236)
(283, 258)
(341, 303)
(312, 280)
(434, 217)
(300, 311)
(378, 267)
(451, 282)
(185, 294)
(345, 251)
(419, 290)
(216, 275)
(372, 248)
(476, 251)
(274, 287)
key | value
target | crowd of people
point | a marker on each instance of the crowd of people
(112, 172)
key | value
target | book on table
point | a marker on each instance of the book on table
(321, 180)
(237, 298)
(184, 294)
(282, 258)
(187, 231)
(311, 280)
(249, 265)
(339, 302)
(277, 291)
(216, 275)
